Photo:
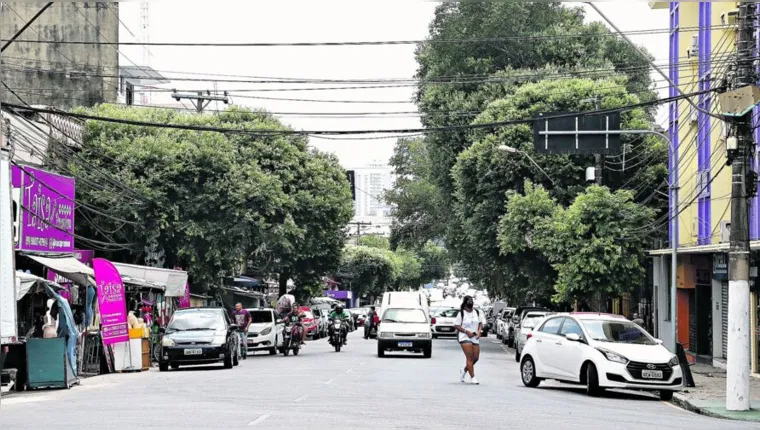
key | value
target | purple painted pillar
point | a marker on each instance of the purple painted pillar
(704, 209)
(673, 116)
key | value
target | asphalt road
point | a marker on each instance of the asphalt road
(321, 389)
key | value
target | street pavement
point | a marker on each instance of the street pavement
(322, 389)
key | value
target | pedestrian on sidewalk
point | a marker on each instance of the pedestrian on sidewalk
(469, 324)
(243, 319)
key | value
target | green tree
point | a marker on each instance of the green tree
(531, 270)
(409, 269)
(375, 241)
(595, 247)
(483, 175)
(214, 202)
(435, 262)
(367, 271)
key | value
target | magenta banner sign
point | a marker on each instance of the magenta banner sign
(184, 301)
(112, 302)
(43, 210)
(84, 256)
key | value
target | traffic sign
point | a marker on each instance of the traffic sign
(577, 133)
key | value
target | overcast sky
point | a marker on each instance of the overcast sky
(318, 21)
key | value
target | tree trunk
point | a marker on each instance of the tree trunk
(284, 277)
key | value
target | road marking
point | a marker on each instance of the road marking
(330, 382)
(259, 420)
(349, 370)
(300, 399)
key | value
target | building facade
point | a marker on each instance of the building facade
(59, 74)
(372, 181)
(702, 49)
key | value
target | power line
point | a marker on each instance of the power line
(331, 132)
(373, 43)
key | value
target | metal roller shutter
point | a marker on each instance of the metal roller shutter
(724, 317)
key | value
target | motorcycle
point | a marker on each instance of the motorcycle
(289, 339)
(337, 336)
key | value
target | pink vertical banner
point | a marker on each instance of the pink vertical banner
(112, 302)
(184, 301)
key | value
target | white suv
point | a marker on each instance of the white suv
(404, 329)
(601, 351)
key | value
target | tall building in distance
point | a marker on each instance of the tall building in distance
(372, 180)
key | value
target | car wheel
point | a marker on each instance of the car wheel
(428, 351)
(175, 366)
(498, 336)
(666, 395)
(435, 336)
(235, 360)
(528, 373)
(272, 351)
(163, 367)
(592, 381)
(228, 359)
(380, 351)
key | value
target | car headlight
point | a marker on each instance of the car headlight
(613, 356)
(674, 361)
(386, 335)
(167, 341)
(266, 331)
(423, 335)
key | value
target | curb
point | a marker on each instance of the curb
(686, 405)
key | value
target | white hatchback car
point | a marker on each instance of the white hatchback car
(531, 320)
(264, 334)
(442, 323)
(601, 351)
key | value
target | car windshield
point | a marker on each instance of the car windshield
(197, 320)
(449, 313)
(259, 317)
(617, 332)
(404, 316)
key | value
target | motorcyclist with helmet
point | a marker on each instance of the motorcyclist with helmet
(340, 314)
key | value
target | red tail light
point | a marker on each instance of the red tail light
(530, 335)
(432, 321)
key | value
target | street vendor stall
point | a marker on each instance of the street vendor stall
(50, 344)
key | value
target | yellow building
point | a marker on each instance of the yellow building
(702, 49)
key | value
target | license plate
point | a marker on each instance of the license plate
(651, 374)
(194, 352)
(405, 344)
(446, 329)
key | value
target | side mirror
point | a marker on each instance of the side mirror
(658, 341)
(573, 337)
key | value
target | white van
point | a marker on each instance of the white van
(401, 299)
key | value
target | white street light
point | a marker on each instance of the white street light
(511, 150)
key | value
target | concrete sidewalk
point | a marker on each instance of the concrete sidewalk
(709, 395)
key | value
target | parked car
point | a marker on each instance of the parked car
(199, 336)
(532, 319)
(442, 324)
(513, 322)
(309, 322)
(322, 321)
(359, 316)
(404, 329)
(264, 334)
(502, 322)
(600, 351)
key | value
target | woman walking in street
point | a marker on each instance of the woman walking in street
(469, 324)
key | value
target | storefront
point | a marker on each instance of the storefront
(346, 297)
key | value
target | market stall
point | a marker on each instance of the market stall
(50, 343)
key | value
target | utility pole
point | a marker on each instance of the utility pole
(599, 158)
(741, 148)
(200, 100)
(359, 225)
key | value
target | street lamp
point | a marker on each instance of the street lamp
(511, 150)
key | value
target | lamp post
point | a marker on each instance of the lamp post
(511, 150)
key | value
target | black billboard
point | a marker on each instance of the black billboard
(572, 140)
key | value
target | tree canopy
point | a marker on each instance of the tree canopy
(214, 203)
